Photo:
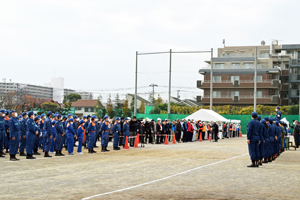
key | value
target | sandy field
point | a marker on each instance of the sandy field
(197, 170)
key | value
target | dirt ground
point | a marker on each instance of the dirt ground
(217, 171)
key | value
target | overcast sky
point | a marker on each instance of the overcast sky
(92, 43)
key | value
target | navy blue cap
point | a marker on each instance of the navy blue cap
(37, 118)
(258, 117)
(254, 114)
(263, 121)
(24, 113)
(11, 111)
(49, 113)
(278, 107)
(71, 119)
(30, 113)
(81, 121)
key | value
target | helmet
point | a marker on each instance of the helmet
(30, 113)
(81, 121)
(71, 120)
(106, 116)
(11, 111)
(158, 119)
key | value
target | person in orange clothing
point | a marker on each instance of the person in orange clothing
(204, 133)
(208, 129)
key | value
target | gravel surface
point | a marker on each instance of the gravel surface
(217, 171)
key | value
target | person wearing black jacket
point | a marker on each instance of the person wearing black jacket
(132, 130)
(158, 131)
(216, 131)
(296, 133)
(148, 131)
(121, 135)
(178, 131)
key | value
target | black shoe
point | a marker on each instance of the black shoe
(253, 164)
(61, 153)
(1, 155)
(90, 151)
(265, 161)
(95, 146)
(75, 145)
(29, 156)
(35, 152)
(94, 151)
(47, 155)
(22, 154)
(57, 153)
(106, 149)
(66, 148)
(103, 149)
(117, 148)
(12, 158)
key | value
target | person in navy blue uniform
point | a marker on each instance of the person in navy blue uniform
(60, 133)
(105, 133)
(253, 140)
(262, 140)
(71, 135)
(37, 137)
(48, 134)
(92, 128)
(23, 134)
(116, 130)
(125, 130)
(265, 141)
(15, 133)
(86, 124)
(184, 129)
(272, 138)
(278, 114)
(30, 135)
(2, 132)
(80, 133)
(75, 127)
(65, 138)
(52, 149)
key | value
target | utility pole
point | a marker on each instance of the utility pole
(178, 96)
(135, 94)
(211, 79)
(153, 85)
(169, 108)
(255, 79)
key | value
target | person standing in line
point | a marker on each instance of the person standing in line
(158, 131)
(116, 129)
(184, 129)
(30, 135)
(71, 135)
(132, 130)
(37, 136)
(216, 131)
(80, 133)
(48, 134)
(253, 140)
(92, 128)
(59, 136)
(105, 133)
(15, 133)
(125, 130)
(2, 132)
(296, 133)
(178, 131)
(23, 123)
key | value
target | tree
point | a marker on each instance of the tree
(142, 107)
(72, 97)
(126, 109)
(117, 102)
(109, 107)
(50, 107)
(159, 100)
(152, 99)
(100, 110)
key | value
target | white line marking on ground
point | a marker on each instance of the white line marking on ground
(161, 179)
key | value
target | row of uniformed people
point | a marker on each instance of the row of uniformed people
(265, 139)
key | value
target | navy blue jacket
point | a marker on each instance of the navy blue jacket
(14, 127)
(59, 127)
(253, 128)
(48, 127)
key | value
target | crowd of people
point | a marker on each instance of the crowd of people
(265, 138)
(52, 132)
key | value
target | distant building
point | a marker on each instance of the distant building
(186, 102)
(84, 107)
(278, 76)
(54, 90)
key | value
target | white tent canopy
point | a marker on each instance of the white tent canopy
(206, 115)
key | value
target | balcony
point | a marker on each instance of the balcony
(239, 84)
(295, 63)
(294, 93)
(295, 77)
(248, 99)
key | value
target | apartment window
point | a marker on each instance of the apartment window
(249, 66)
(234, 93)
(263, 55)
(235, 78)
(88, 109)
(235, 65)
(259, 94)
(77, 108)
(216, 94)
(259, 78)
(219, 66)
(216, 79)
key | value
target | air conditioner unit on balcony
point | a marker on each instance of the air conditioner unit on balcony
(236, 99)
(236, 83)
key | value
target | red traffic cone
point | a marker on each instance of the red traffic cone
(174, 141)
(209, 137)
(200, 138)
(138, 138)
(136, 142)
(166, 140)
(241, 134)
(126, 143)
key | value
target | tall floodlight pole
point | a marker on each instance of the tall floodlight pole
(211, 79)
(255, 79)
(135, 94)
(169, 103)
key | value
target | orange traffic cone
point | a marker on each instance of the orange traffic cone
(200, 139)
(174, 141)
(209, 137)
(126, 143)
(166, 140)
(241, 134)
(136, 142)
(138, 138)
